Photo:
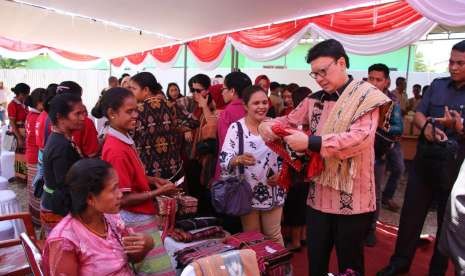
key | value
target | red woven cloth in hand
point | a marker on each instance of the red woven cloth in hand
(315, 165)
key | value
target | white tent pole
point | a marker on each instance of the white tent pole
(185, 69)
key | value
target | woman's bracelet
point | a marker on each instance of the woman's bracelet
(237, 161)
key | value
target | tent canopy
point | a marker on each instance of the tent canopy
(162, 22)
(83, 32)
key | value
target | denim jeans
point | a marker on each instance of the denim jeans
(395, 163)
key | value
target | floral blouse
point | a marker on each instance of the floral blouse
(265, 197)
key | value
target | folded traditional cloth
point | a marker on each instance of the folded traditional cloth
(196, 223)
(234, 262)
(270, 255)
(167, 218)
(188, 255)
(187, 204)
(291, 158)
(213, 232)
(243, 239)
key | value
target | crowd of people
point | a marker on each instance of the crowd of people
(93, 187)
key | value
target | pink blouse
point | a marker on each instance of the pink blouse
(358, 140)
(70, 241)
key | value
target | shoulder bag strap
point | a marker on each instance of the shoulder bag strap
(240, 133)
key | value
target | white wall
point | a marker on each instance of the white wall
(92, 81)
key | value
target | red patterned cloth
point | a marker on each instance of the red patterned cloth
(290, 160)
(213, 232)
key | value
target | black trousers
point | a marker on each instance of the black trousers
(422, 188)
(346, 232)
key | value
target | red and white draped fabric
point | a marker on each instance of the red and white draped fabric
(365, 31)
(21, 50)
(270, 42)
(164, 57)
(373, 30)
(209, 52)
(378, 43)
(446, 12)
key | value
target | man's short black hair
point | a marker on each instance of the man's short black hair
(399, 80)
(274, 85)
(380, 67)
(417, 85)
(327, 48)
(459, 46)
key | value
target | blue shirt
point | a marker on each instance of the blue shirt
(440, 94)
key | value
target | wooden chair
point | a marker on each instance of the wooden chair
(33, 254)
(13, 260)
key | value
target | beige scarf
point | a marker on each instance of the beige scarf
(357, 99)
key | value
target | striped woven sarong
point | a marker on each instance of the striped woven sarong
(34, 203)
(49, 220)
(157, 261)
(20, 167)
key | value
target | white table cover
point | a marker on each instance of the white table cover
(8, 164)
(6, 230)
(3, 183)
(9, 205)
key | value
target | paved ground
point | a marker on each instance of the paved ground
(385, 215)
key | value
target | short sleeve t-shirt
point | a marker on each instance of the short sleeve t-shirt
(41, 132)
(125, 160)
(31, 146)
(87, 138)
(17, 111)
(441, 93)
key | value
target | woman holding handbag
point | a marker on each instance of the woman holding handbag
(260, 166)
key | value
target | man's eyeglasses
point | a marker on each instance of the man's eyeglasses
(196, 90)
(322, 72)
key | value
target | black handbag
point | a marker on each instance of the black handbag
(207, 146)
(233, 195)
(436, 158)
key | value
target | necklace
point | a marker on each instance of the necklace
(101, 235)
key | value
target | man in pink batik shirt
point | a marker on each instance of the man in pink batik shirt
(343, 118)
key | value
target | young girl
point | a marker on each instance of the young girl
(35, 102)
(139, 190)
